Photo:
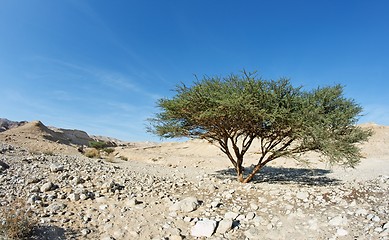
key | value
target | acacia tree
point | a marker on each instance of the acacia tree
(235, 110)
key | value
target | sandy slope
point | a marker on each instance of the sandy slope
(196, 154)
(203, 155)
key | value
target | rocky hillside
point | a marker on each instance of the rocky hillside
(37, 137)
(6, 124)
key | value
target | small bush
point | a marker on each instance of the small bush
(97, 145)
(123, 158)
(109, 150)
(92, 153)
(110, 159)
(16, 221)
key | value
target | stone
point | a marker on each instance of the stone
(375, 218)
(175, 237)
(240, 217)
(33, 198)
(224, 226)
(56, 207)
(78, 180)
(47, 187)
(132, 202)
(103, 207)
(74, 197)
(338, 221)
(361, 212)
(341, 232)
(302, 195)
(258, 220)
(186, 205)
(203, 228)
(101, 199)
(231, 215)
(85, 231)
(215, 204)
(254, 206)
(386, 226)
(3, 166)
(253, 234)
(250, 215)
(56, 167)
(378, 229)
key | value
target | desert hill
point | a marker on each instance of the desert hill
(35, 136)
(38, 137)
(6, 124)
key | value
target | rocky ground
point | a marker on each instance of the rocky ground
(74, 197)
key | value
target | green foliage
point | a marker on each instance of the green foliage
(288, 121)
(97, 145)
(109, 150)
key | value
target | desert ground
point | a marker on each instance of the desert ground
(185, 190)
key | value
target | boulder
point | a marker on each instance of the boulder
(203, 228)
(224, 226)
(186, 205)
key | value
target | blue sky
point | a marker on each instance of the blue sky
(100, 66)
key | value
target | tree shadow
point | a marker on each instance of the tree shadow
(281, 175)
(52, 233)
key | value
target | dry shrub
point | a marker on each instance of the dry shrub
(110, 159)
(16, 221)
(92, 153)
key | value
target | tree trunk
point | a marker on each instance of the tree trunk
(239, 173)
(252, 174)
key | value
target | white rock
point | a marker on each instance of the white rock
(254, 234)
(215, 204)
(47, 187)
(361, 212)
(386, 226)
(385, 232)
(224, 226)
(74, 197)
(186, 205)
(258, 220)
(132, 202)
(254, 206)
(85, 231)
(378, 229)
(376, 218)
(341, 232)
(103, 206)
(231, 215)
(338, 221)
(56, 167)
(250, 215)
(302, 195)
(203, 228)
(101, 199)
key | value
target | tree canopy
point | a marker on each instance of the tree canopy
(235, 110)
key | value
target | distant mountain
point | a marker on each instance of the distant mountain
(6, 124)
(66, 136)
